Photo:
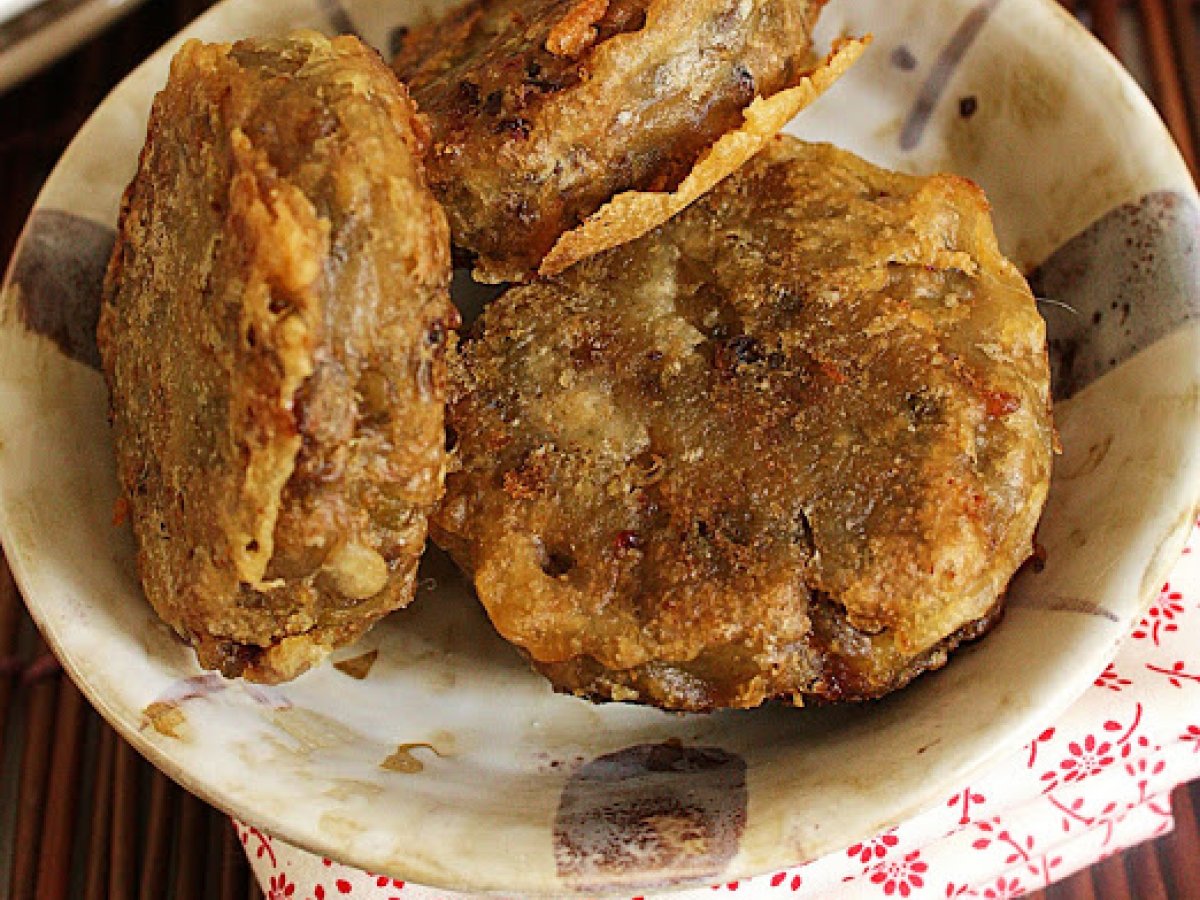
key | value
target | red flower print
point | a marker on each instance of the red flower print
(966, 797)
(1091, 756)
(1043, 868)
(780, 877)
(264, 845)
(1143, 770)
(1164, 813)
(1076, 813)
(1111, 680)
(1004, 889)
(382, 881)
(900, 876)
(1086, 759)
(1193, 735)
(1021, 850)
(876, 848)
(342, 886)
(1161, 617)
(1175, 673)
(279, 888)
(1125, 741)
(1033, 746)
(1143, 766)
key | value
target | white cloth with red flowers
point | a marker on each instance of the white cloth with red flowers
(1097, 782)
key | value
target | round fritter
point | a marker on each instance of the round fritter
(542, 110)
(794, 442)
(273, 331)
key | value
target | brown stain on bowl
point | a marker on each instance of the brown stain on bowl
(1089, 463)
(444, 741)
(165, 713)
(1003, 95)
(650, 816)
(352, 789)
(1036, 95)
(165, 718)
(403, 760)
(312, 731)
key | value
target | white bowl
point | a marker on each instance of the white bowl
(498, 782)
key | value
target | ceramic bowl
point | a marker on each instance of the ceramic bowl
(429, 751)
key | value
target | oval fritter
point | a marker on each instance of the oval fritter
(542, 110)
(273, 331)
(794, 442)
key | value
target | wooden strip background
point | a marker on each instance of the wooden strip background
(83, 816)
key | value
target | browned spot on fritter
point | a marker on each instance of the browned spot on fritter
(576, 30)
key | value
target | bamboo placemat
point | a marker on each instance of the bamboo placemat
(83, 816)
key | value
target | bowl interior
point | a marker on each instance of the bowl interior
(429, 751)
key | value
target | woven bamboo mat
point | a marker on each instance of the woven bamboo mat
(83, 816)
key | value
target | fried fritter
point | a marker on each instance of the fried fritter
(273, 331)
(793, 443)
(542, 110)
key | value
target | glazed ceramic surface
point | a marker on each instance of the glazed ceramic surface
(429, 751)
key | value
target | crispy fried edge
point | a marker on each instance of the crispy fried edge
(630, 215)
(286, 239)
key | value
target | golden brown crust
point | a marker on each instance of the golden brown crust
(577, 29)
(542, 110)
(273, 330)
(793, 442)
